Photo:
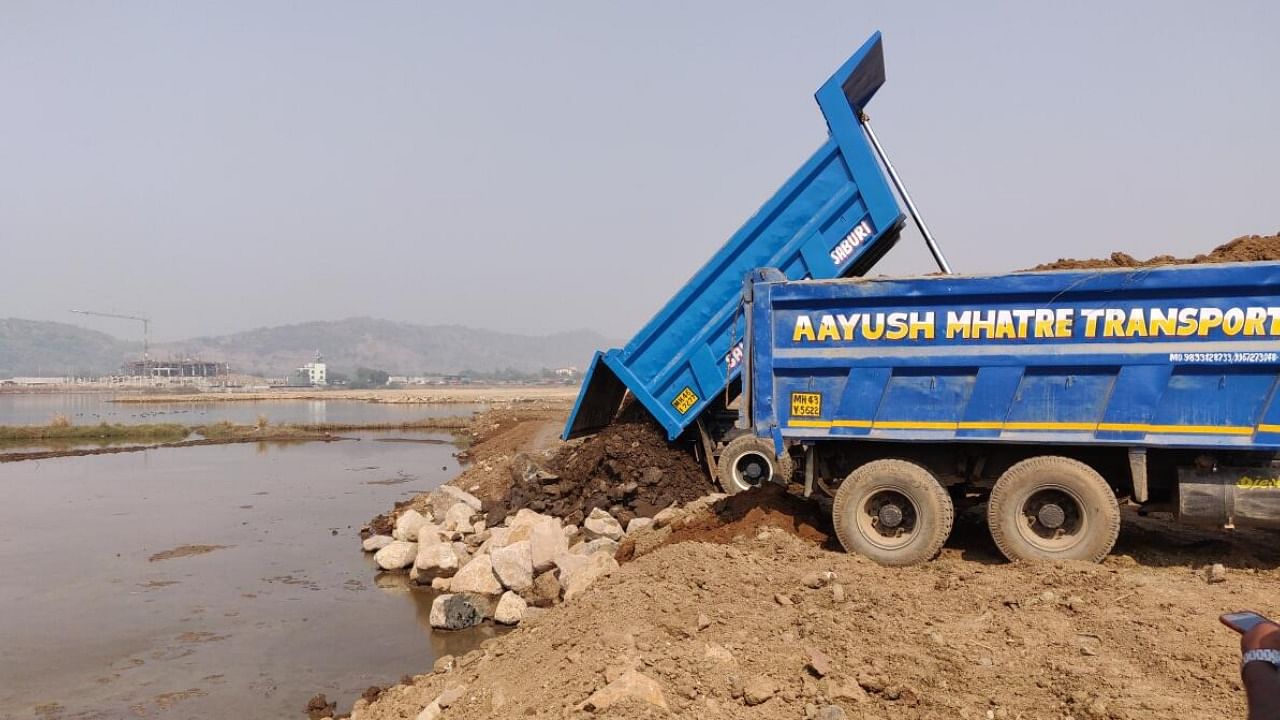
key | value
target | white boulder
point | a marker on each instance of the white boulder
(397, 555)
(600, 544)
(601, 524)
(513, 565)
(407, 525)
(510, 610)
(453, 495)
(639, 524)
(476, 577)
(374, 543)
(458, 518)
(546, 541)
(577, 572)
(435, 560)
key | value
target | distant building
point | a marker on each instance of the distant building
(567, 372)
(313, 374)
(188, 368)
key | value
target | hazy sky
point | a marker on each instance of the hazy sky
(549, 166)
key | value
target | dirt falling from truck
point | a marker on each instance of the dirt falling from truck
(628, 469)
(1248, 248)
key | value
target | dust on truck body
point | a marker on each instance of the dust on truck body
(835, 216)
(1045, 394)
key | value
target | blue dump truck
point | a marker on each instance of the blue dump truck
(1050, 396)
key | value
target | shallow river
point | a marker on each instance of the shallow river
(94, 626)
(94, 408)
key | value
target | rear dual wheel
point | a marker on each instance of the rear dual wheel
(892, 511)
(1053, 508)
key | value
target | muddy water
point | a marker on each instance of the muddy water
(94, 408)
(273, 603)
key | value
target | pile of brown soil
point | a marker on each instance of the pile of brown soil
(1249, 248)
(745, 514)
(628, 469)
(965, 636)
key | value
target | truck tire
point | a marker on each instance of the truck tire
(1053, 508)
(892, 511)
(749, 462)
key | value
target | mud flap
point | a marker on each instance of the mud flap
(598, 400)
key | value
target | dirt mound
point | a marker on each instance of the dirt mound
(964, 636)
(745, 514)
(1249, 248)
(628, 469)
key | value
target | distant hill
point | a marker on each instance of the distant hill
(48, 348)
(398, 348)
(28, 347)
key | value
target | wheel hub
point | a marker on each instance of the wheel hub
(1054, 519)
(752, 470)
(1051, 515)
(890, 515)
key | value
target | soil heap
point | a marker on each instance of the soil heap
(1248, 248)
(760, 628)
(628, 469)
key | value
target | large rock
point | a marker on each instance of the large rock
(476, 577)
(510, 610)
(639, 524)
(546, 542)
(458, 518)
(396, 556)
(630, 685)
(430, 533)
(455, 612)
(526, 517)
(453, 494)
(407, 525)
(513, 565)
(374, 543)
(600, 544)
(435, 560)
(667, 517)
(601, 524)
(545, 591)
(577, 572)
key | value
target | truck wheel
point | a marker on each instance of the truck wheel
(1053, 508)
(749, 462)
(892, 511)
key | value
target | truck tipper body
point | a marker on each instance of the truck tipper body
(1047, 396)
(835, 216)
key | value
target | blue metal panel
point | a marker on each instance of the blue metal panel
(1184, 356)
(834, 217)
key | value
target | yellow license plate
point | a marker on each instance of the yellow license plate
(685, 400)
(805, 404)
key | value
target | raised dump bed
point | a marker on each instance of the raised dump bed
(835, 217)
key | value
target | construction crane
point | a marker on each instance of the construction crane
(146, 328)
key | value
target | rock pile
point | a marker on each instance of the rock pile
(498, 573)
(628, 470)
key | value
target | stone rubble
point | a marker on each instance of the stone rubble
(507, 572)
